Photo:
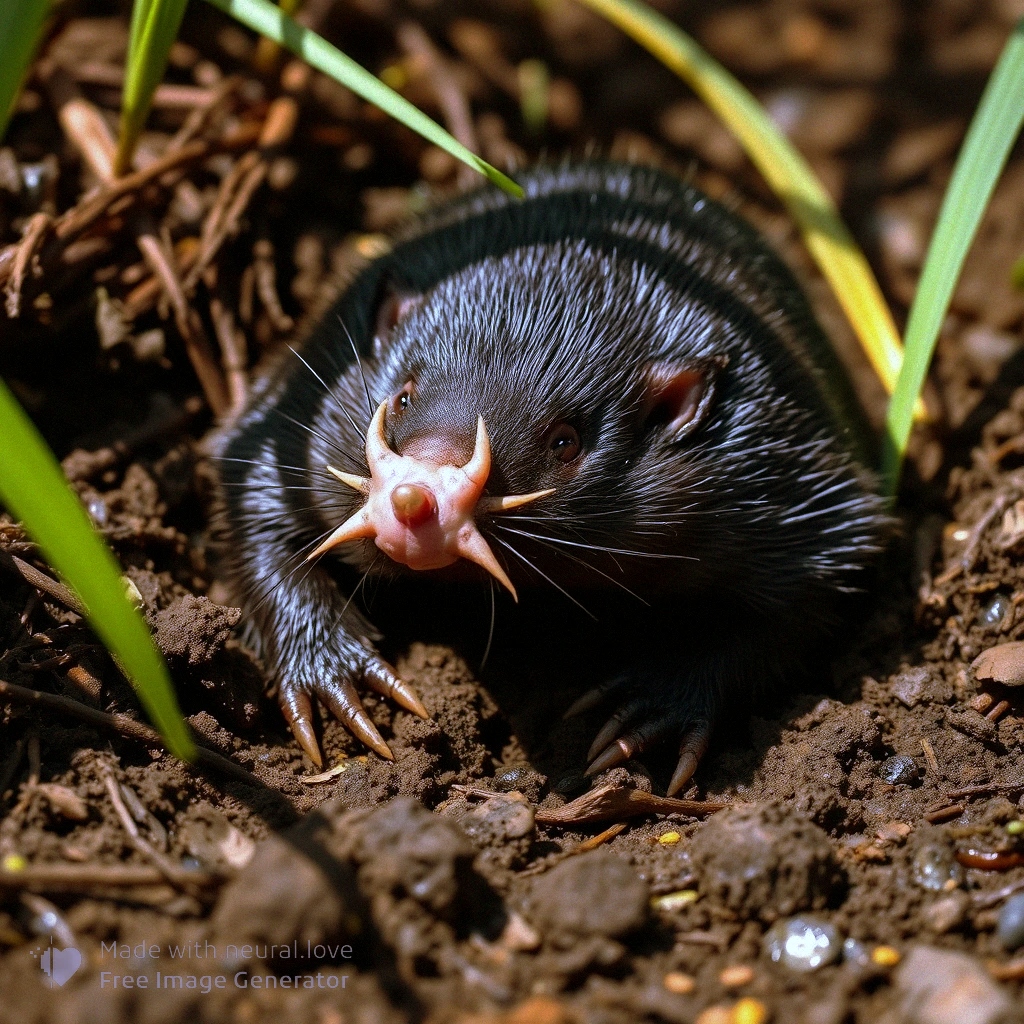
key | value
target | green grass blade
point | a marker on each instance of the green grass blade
(786, 171)
(155, 25)
(33, 488)
(995, 126)
(21, 24)
(263, 17)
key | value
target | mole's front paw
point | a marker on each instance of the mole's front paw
(650, 713)
(333, 682)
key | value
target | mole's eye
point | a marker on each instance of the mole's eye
(564, 442)
(402, 401)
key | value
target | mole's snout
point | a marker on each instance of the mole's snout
(413, 504)
(420, 513)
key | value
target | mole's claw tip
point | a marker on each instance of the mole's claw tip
(386, 681)
(611, 757)
(683, 773)
(589, 700)
(609, 732)
(303, 733)
(406, 696)
(363, 729)
(693, 747)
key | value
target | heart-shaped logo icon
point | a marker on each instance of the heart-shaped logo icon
(60, 964)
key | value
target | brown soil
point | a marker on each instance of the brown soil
(430, 888)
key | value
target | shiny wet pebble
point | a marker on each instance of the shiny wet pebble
(803, 943)
(935, 868)
(511, 778)
(992, 614)
(1010, 929)
(899, 771)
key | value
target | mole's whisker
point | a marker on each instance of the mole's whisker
(523, 558)
(300, 470)
(599, 547)
(319, 436)
(298, 557)
(357, 588)
(490, 631)
(326, 387)
(359, 363)
(544, 542)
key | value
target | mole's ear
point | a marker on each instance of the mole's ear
(393, 306)
(680, 395)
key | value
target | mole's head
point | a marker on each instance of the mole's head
(523, 396)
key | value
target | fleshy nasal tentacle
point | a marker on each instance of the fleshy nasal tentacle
(403, 492)
(478, 469)
(377, 450)
(357, 483)
(356, 527)
(473, 545)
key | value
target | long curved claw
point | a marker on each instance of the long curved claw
(611, 757)
(693, 747)
(298, 712)
(610, 732)
(342, 699)
(381, 677)
(613, 747)
(592, 698)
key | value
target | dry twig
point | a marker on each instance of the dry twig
(614, 802)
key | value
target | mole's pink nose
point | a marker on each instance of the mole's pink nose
(413, 504)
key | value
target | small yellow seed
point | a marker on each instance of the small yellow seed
(675, 900)
(14, 862)
(885, 956)
(749, 1011)
(394, 76)
(679, 983)
(737, 975)
(669, 838)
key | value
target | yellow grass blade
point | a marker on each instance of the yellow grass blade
(785, 170)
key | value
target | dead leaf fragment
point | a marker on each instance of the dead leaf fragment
(1002, 664)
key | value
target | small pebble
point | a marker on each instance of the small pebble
(749, 1011)
(899, 771)
(574, 782)
(64, 801)
(715, 1015)
(678, 983)
(509, 779)
(675, 900)
(992, 614)
(934, 867)
(803, 943)
(668, 838)
(856, 953)
(736, 976)
(885, 956)
(947, 913)
(1010, 929)
(98, 510)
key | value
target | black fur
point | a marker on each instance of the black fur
(553, 309)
